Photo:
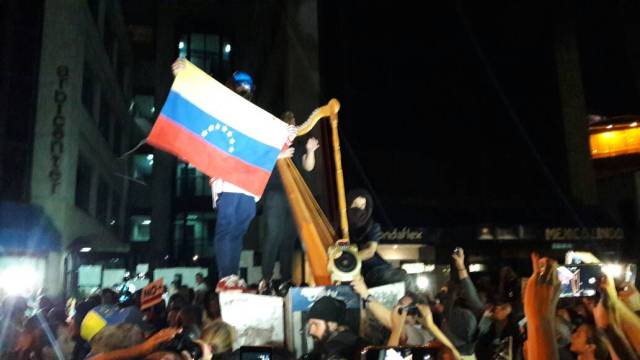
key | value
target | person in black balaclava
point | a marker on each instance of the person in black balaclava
(366, 233)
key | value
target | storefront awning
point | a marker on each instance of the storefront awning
(26, 229)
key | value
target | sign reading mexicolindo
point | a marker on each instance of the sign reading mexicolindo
(599, 233)
(404, 234)
(56, 148)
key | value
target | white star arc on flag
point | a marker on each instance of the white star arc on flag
(226, 132)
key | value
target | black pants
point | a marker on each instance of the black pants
(280, 237)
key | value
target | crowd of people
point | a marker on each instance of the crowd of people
(461, 320)
(495, 318)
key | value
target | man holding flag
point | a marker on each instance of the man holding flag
(228, 138)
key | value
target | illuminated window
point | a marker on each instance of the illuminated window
(142, 167)
(209, 52)
(140, 228)
(192, 234)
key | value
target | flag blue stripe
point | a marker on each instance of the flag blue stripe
(239, 145)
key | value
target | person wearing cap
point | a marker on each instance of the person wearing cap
(332, 338)
(236, 207)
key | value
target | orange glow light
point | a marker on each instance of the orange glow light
(615, 142)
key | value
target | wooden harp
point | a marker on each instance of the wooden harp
(313, 226)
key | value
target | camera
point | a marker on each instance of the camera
(344, 262)
(411, 310)
(182, 342)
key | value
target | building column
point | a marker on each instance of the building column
(163, 164)
(303, 93)
(581, 174)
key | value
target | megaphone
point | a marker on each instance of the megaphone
(344, 262)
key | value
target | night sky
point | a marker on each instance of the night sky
(426, 122)
(423, 122)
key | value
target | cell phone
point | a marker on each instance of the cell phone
(579, 280)
(255, 353)
(582, 280)
(399, 353)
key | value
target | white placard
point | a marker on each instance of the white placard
(258, 319)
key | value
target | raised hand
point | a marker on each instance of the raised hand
(178, 66)
(312, 144)
(359, 287)
(458, 258)
(542, 290)
(160, 337)
(427, 316)
(540, 299)
(286, 153)
(630, 297)
(292, 132)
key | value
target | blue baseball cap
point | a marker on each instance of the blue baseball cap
(243, 79)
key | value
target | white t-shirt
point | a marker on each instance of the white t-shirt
(417, 336)
(219, 186)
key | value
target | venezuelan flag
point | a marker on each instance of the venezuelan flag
(219, 132)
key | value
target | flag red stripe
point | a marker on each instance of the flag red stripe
(175, 139)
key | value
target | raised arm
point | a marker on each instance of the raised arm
(617, 321)
(140, 350)
(427, 323)
(309, 158)
(397, 318)
(468, 291)
(540, 301)
(379, 311)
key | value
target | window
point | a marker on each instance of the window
(102, 203)
(104, 121)
(84, 173)
(116, 143)
(144, 107)
(192, 235)
(140, 228)
(207, 51)
(191, 182)
(115, 218)
(142, 167)
(88, 88)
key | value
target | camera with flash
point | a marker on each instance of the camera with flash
(344, 262)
